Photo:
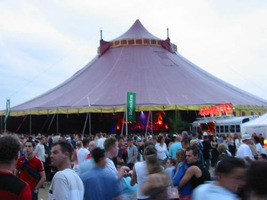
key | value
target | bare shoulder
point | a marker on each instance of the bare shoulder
(157, 179)
(193, 170)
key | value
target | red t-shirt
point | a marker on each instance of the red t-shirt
(36, 164)
(12, 188)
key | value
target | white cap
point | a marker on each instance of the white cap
(246, 136)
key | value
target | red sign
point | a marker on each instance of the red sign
(216, 109)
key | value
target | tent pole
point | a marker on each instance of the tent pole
(24, 118)
(122, 125)
(147, 122)
(151, 122)
(41, 130)
(30, 128)
(57, 124)
(51, 122)
(90, 124)
(89, 121)
(85, 124)
(1, 125)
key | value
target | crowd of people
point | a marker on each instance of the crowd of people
(181, 166)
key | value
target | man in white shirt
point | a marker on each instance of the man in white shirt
(111, 148)
(66, 184)
(111, 151)
(100, 142)
(83, 152)
(244, 150)
(40, 150)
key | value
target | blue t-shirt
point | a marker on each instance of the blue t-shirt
(177, 177)
(174, 148)
(100, 184)
(128, 191)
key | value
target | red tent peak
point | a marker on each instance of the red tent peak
(137, 31)
(136, 35)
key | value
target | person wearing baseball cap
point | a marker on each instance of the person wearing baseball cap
(244, 150)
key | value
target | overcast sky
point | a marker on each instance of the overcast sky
(42, 43)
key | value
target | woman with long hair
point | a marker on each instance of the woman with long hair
(214, 152)
(162, 150)
(185, 191)
(258, 146)
(157, 180)
(140, 172)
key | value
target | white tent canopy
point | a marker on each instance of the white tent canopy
(258, 125)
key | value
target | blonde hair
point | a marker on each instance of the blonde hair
(221, 148)
(193, 142)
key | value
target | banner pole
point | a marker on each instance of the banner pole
(122, 125)
(126, 126)
(7, 112)
(4, 127)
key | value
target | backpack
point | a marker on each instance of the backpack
(25, 164)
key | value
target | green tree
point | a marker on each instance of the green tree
(176, 124)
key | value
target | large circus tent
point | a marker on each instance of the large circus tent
(139, 62)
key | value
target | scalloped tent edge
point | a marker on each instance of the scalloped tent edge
(238, 109)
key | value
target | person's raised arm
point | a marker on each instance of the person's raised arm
(190, 172)
(135, 155)
(123, 171)
(134, 178)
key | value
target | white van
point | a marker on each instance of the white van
(221, 125)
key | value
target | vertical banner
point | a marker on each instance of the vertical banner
(7, 110)
(131, 106)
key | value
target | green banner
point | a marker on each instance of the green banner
(131, 106)
(7, 110)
